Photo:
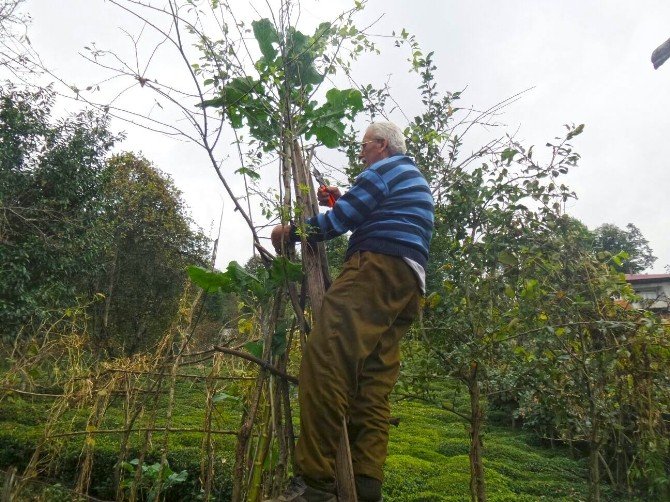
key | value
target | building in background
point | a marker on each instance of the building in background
(654, 291)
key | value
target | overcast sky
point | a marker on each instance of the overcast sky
(588, 61)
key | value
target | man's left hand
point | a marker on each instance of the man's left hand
(281, 236)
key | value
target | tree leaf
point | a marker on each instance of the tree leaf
(249, 172)
(255, 348)
(234, 93)
(507, 258)
(301, 53)
(575, 132)
(266, 35)
(327, 135)
(283, 270)
(346, 99)
(508, 155)
(279, 340)
(208, 280)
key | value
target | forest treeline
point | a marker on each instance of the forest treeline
(82, 229)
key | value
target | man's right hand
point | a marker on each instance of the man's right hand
(328, 195)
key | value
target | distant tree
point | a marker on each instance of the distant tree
(51, 193)
(612, 239)
(73, 225)
(592, 365)
(150, 243)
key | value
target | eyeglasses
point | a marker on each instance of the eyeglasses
(363, 143)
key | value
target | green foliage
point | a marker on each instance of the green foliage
(74, 226)
(428, 461)
(20, 434)
(327, 121)
(255, 348)
(427, 455)
(267, 37)
(288, 76)
(237, 280)
(149, 242)
(52, 177)
(155, 477)
(637, 255)
(586, 365)
(516, 289)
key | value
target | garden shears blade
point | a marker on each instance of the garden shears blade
(323, 185)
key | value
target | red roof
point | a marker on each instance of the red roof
(647, 277)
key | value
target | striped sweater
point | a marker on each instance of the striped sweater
(389, 208)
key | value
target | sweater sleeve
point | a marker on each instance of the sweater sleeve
(350, 210)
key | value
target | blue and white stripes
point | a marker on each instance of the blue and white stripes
(389, 208)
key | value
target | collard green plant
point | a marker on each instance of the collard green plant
(156, 479)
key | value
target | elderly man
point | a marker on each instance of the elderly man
(351, 362)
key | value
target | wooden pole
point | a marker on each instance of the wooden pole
(315, 266)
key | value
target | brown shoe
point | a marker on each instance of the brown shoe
(299, 491)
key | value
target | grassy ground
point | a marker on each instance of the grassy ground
(427, 453)
(428, 461)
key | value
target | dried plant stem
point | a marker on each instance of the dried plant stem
(207, 462)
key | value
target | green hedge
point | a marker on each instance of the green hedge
(427, 457)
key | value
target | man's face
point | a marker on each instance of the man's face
(372, 149)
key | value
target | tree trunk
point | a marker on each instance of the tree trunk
(477, 484)
(110, 292)
(594, 473)
(594, 464)
(594, 460)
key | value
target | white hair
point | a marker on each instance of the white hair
(391, 133)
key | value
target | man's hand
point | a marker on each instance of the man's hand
(328, 195)
(280, 238)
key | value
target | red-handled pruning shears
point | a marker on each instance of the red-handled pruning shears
(323, 186)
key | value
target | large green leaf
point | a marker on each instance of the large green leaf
(346, 99)
(327, 121)
(284, 270)
(240, 279)
(301, 54)
(208, 280)
(327, 135)
(279, 340)
(266, 35)
(249, 172)
(255, 348)
(238, 90)
(234, 280)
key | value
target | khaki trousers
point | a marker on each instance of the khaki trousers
(351, 364)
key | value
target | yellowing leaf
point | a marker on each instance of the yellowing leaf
(245, 326)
